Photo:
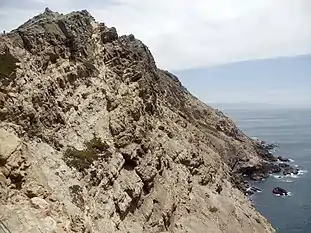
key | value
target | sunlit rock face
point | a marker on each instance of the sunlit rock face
(95, 138)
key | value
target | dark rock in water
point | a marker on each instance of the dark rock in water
(275, 168)
(251, 190)
(279, 191)
(267, 146)
(254, 173)
(270, 146)
(261, 171)
(283, 165)
(270, 157)
(290, 170)
(255, 189)
(257, 177)
(282, 159)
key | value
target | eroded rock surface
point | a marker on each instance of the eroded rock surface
(95, 138)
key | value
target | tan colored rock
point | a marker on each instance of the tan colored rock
(48, 225)
(39, 203)
(2, 178)
(8, 143)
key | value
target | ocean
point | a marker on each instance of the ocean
(291, 129)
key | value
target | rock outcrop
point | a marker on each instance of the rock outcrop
(279, 191)
(95, 138)
(284, 160)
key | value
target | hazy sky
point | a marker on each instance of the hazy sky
(285, 81)
(185, 34)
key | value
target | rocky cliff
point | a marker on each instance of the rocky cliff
(95, 138)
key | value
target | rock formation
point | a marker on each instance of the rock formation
(279, 191)
(95, 138)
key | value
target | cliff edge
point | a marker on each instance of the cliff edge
(95, 138)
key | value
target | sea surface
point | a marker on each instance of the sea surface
(291, 129)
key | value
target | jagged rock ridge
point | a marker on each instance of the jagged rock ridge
(95, 138)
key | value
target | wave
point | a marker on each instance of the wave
(286, 179)
(274, 150)
(290, 177)
(289, 194)
(277, 176)
(301, 172)
(253, 189)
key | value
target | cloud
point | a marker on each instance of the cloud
(185, 34)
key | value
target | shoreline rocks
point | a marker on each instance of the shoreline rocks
(273, 165)
(264, 150)
(290, 170)
(264, 170)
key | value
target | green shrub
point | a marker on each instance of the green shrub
(97, 145)
(83, 159)
(213, 209)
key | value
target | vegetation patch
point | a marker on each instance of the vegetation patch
(83, 159)
(76, 195)
(213, 209)
(7, 68)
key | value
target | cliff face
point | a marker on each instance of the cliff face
(95, 138)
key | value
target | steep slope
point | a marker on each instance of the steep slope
(95, 138)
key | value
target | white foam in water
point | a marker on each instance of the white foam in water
(282, 178)
(277, 176)
(289, 194)
(301, 172)
(292, 176)
(292, 161)
(251, 189)
(288, 181)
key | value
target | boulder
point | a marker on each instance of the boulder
(282, 159)
(251, 190)
(8, 143)
(290, 170)
(108, 35)
(270, 146)
(264, 152)
(279, 191)
(39, 203)
(283, 165)
(275, 169)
